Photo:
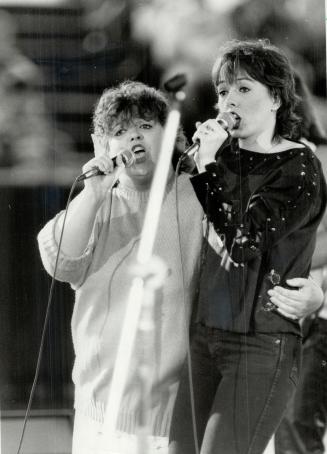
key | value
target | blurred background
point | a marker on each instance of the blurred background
(56, 57)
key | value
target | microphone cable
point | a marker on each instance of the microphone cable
(45, 323)
(47, 312)
(50, 299)
(186, 323)
(202, 258)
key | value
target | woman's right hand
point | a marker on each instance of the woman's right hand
(98, 185)
(211, 136)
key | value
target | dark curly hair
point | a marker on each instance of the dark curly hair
(268, 65)
(132, 99)
(127, 100)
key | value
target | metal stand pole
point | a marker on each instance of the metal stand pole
(153, 281)
(136, 295)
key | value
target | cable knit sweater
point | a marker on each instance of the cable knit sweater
(101, 279)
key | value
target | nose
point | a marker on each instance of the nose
(136, 134)
(231, 99)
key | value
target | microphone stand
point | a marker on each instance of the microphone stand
(147, 279)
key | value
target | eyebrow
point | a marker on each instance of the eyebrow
(238, 80)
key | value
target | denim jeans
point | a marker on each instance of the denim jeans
(241, 383)
(305, 422)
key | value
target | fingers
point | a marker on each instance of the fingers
(285, 295)
(209, 129)
(287, 308)
(289, 303)
(305, 299)
(297, 282)
(295, 304)
(211, 136)
(287, 314)
(103, 163)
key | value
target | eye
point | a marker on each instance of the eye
(244, 89)
(119, 132)
(146, 126)
(222, 93)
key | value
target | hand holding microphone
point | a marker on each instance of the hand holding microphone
(106, 165)
(209, 137)
(102, 164)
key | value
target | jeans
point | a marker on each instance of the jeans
(303, 427)
(241, 383)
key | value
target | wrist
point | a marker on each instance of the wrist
(91, 197)
(208, 161)
(201, 163)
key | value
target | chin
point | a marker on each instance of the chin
(236, 134)
(141, 174)
(141, 171)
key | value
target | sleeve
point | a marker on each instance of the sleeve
(68, 269)
(286, 200)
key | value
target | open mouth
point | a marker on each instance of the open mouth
(237, 119)
(139, 153)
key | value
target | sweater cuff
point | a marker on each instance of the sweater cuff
(49, 249)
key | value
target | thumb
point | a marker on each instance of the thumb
(297, 282)
(98, 144)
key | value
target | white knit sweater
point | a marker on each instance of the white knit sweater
(101, 279)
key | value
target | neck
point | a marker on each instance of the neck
(135, 184)
(260, 144)
(140, 183)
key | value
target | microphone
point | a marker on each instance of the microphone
(226, 121)
(124, 159)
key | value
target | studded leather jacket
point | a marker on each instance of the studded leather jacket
(263, 211)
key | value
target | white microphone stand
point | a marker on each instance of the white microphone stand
(147, 280)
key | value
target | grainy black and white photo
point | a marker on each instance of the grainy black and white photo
(163, 231)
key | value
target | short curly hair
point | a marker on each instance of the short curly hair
(127, 100)
(268, 65)
(132, 99)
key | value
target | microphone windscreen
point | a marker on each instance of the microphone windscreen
(227, 120)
